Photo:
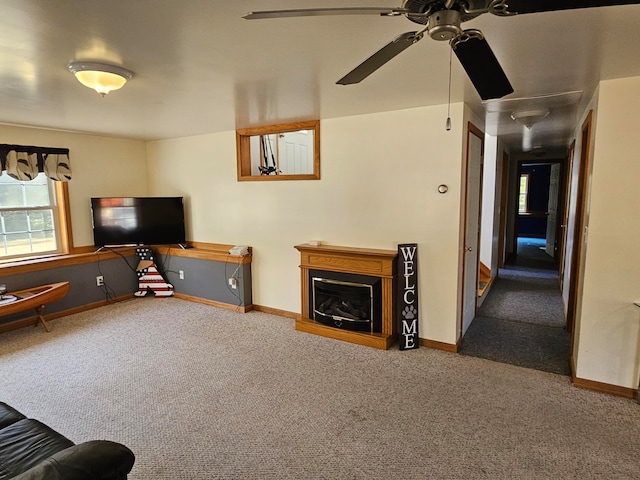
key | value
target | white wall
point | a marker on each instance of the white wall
(100, 166)
(380, 174)
(609, 322)
(489, 199)
(498, 256)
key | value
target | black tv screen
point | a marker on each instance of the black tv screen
(138, 221)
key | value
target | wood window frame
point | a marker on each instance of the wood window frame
(243, 150)
(64, 217)
(526, 193)
(64, 233)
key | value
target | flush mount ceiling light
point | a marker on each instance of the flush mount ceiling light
(529, 118)
(102, 77)
(538, 151)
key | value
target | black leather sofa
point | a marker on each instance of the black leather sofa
(30, 450)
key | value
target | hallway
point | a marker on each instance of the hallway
(521, 322)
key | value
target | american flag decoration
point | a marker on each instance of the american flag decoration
(149, 279)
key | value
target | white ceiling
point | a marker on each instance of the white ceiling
(200, 68)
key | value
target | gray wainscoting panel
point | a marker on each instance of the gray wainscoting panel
(119, 277)
(208, 279)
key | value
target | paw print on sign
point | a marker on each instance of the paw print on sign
(409, 312)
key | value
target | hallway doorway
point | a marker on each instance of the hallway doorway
(521, 322)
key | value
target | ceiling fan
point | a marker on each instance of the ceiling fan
(442, 20)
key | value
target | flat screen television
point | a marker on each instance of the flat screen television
(138, 221)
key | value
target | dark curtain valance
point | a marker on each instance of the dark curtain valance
(25, 162)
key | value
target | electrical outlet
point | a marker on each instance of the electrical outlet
(99, 281)
(233, 283)
(181, 273)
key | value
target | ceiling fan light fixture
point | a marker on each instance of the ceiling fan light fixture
(529, 118)
(101, 77)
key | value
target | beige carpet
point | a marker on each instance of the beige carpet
(202, 393)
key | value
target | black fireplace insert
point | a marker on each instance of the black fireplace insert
(347, 301)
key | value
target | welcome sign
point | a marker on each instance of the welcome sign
(408, 296)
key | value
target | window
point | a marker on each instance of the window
(289, 151)
(523, 200)
(33, 217)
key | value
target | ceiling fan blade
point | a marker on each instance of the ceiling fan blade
(481, 65)
(314, 12)
(535, 6)
(382, 56)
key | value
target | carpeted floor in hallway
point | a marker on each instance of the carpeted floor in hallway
(521, 322)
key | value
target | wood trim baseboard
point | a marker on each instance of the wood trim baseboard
(276, 311)
(214, 303)
(616, 390)
(33, 319)
(484, 270)
(447, 347)
(487, 288)
(601, 387)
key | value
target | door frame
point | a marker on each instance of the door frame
(575, 270)
(562, 237)
(558, 209)
(504, 196)
(520, 163)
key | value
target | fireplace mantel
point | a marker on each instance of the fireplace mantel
(361, 261)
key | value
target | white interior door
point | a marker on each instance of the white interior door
(552, 210)
(475, 144)
(296, 152)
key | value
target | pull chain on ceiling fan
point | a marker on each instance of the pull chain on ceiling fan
(442, 20)
(447, 123)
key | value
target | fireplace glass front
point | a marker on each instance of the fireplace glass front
(347, 303)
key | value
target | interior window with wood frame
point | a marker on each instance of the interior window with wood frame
(287, 151)
(523, 193)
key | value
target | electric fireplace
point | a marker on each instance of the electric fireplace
(348, 294)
